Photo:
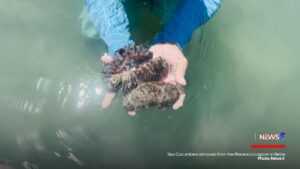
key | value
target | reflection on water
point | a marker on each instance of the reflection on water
(242, 79)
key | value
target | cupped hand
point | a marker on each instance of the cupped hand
(178, 64)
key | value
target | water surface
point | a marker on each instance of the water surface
(243, 78)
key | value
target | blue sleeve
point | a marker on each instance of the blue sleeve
(110, 21)
(188, 16)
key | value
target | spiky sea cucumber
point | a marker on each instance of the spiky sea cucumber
(126, 58)
(151, 94)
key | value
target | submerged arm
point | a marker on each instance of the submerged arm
(188, 16)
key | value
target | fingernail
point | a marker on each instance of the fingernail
(131, 113)
(182, 81)
(176, 106)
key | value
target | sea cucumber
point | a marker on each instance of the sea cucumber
(126, 58)
(153, 70)
(151, 94)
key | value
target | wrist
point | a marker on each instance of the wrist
(113, 46)
(171, 44)
(163, 38)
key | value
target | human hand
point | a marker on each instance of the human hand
(178, 64)
(106, 59)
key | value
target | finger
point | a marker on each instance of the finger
(179, 102)
(106, 58)
(180, 72)
(107, 100)
(169, 79)
(131, 113)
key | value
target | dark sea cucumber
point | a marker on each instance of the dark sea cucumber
(126, 58)
(151, 94)
(153, 70)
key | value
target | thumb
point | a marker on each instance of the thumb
(180, 72)
(106, 58)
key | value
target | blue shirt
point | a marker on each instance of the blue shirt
(110, 21)
(188, 16)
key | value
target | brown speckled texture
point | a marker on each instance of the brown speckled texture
(153, 70)
(151, 94)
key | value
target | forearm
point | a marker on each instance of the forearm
(188, 16)
(111, 22)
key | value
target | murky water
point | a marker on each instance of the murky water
(243, 78)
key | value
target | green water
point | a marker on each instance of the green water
(243, 78)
